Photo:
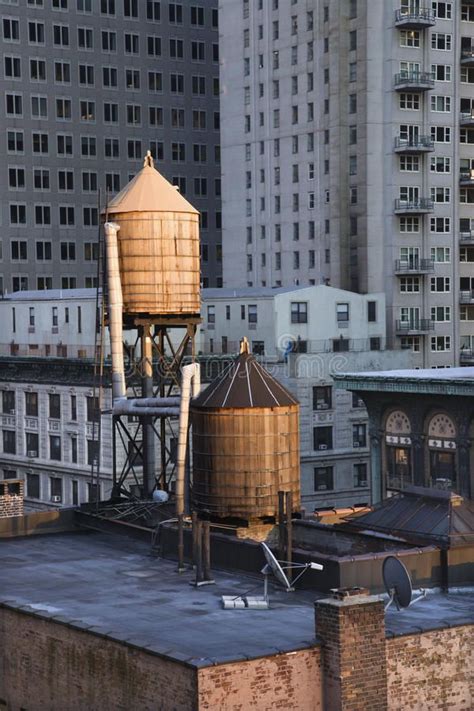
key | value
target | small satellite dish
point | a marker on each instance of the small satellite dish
(397, 583)
(272, 566)
(276, 568)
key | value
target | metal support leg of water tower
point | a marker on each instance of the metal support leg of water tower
(147, 422)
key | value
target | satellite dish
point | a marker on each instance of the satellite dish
(397, 583)
(272, 566)
(276, 568)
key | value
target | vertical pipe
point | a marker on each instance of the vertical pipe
(115, 310)
(161, 346)
(198, 551)
(180, 543)
(281, 525)
(114, 457)
(147, 423)
(194, 517)
(289, 532)
(206, 550)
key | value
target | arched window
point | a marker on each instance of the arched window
(442, 451)
(398, 450)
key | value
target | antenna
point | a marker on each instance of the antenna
(397, 583)
(272, 566)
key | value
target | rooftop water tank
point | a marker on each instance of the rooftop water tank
(158, 245)
(245, 443)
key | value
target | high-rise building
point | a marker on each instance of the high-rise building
(88, 87)
(348, 158)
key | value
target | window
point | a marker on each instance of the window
(64, 144)
(359, 435)
(322, 438)
(62, 72)
(360, 475)
(299, 312)
(322, 397)
(42, 215)
(88, 146)
(85, 6)
(409, 38)
(442, 254)
(32, 485)
(14, 104)
(153, 10)
(63, 109)
(440, 164)
(371, 311)
(55, 450)
(130, 8)
(12, 67)
(68, 251)
(440, 284)
(85, 38)
(409, 285)
(15, 142)
(36, 32)
(410, 164)
(323, 478)
(342, 313)
(442, 195)
(352, 103)
(441, 104)
(441, 343)
(32, 445)
(441, 314)
(175, 13)
(441, 72)
(60, 35)
(17, 216)
(11, 29)
(86, 74)
(90, 216)
(353, 40)
(441, 225)
(66, 216)
(442, 134)
(440, 40)
(54, 406)
(16, 178)
(8, 402)
(132, 78)
(409, 102)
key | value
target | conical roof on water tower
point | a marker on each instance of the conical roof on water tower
(158, 245)
(149, 191)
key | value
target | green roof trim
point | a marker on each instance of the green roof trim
(408, 384)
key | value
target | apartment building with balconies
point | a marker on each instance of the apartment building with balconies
(348, 151)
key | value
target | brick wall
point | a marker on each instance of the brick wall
(11, 498)
(45, 665)
(286, 681)
(352, 634)
(434, 670)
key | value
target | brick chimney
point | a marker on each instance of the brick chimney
(11, 497)
(351, 628)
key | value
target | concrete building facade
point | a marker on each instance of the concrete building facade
(346, 142)
(88, 87)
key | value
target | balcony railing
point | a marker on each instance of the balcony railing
(466, 237)
(466, 177)
(466, 356)
(414, 266)
(414, 206)
(420, 144)
(421, 81)
(466, 118)
(416, 19)
(415, 326)
(467, 56)
(466, 297)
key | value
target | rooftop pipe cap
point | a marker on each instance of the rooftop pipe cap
(244, 384)
(149, 191)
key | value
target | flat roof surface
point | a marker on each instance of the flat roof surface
(110, 585)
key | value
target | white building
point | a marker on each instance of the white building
(347, 157)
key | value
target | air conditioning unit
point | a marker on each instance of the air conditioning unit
(356, 444)
(323, 406)
(32, 453)
(56, 499)
(323, 446)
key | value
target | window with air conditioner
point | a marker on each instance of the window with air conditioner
(322, 397)
(322, 438)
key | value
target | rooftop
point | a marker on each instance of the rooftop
(51, 295)
(111, 586)
(446, 381)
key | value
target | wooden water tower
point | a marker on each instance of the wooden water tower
(245, 443)
(159, 265)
